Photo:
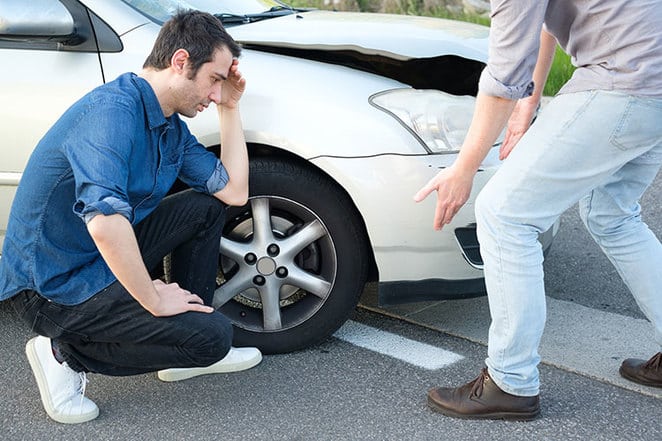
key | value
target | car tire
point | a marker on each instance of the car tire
(293, 260)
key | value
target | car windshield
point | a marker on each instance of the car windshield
(231, 12)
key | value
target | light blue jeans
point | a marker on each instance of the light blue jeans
(601, 149)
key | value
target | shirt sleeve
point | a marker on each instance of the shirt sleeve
(201, 169)
(513, 48)
(98, 153)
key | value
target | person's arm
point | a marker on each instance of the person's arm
(513, 50)
(453, 184)
(525, 108)
(116, 241)
(234, 155)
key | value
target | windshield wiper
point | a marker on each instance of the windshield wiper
(276, 11)
(232, 19)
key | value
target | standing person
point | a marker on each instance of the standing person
(91, 220)
(599, 143)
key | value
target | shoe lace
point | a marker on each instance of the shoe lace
(477, 388)
(655, 362)
(81, 386)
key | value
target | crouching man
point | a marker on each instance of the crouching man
(91, 220)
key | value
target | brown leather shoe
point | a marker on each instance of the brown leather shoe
(482, 398)
(644, 372)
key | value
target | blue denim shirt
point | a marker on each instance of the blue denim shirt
(112, 152)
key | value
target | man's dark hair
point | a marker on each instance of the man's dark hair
(199, 33)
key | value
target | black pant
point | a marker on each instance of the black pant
(112, 334)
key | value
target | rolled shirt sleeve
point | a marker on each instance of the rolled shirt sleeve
(513, 48)
(201, 169)
(106, 206)
(218, 179)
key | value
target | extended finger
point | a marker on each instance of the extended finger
(450, 213)
(439, 214)
(423, 192)
(507, 147)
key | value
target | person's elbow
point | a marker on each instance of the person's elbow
(96, 227)
(238, 199)
(104, 229)
(234, 196)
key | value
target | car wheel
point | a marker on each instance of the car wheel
(293, 259)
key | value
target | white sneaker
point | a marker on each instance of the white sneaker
(61, 388)
(238, 359)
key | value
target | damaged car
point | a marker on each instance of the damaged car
(346, 115)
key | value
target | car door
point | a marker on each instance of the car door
(50, 54)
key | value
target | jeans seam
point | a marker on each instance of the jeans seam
(589, 226)
(592, 95)
(619, 126)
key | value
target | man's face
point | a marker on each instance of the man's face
(195, 94)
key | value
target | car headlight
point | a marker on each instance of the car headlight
(438, 119)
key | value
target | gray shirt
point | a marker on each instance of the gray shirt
(615, 45)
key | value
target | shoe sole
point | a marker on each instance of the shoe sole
(170, 375)
(42, 385)
(513, 416)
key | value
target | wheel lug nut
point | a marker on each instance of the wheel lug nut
(273, 250)
(250, 258)
(258, 280)
(281, 272)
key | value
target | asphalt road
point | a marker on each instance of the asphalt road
(336, 391)
(344, 391)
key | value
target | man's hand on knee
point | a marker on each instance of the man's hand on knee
(175, 300)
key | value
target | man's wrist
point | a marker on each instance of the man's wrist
(150, 300)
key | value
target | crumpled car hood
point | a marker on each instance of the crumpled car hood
(398, 37)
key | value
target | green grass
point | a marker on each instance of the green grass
(561, 69)
(559, 74)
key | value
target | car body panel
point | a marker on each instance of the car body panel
(399, 37)
(405, 245)
(314, 111)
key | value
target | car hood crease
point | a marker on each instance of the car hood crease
(393, 36)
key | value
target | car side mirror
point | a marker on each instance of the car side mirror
(37, 21)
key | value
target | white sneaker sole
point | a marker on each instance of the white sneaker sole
(46, 400)
(179, 374)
